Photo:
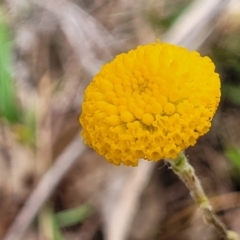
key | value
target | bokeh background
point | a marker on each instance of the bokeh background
(52, 187)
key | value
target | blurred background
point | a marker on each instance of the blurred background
(52, 187)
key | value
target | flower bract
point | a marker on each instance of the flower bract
(152, 103)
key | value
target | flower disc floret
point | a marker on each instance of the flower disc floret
(151, 103)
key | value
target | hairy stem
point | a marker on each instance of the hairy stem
(186, 173)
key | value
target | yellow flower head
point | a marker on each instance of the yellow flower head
(152, 103)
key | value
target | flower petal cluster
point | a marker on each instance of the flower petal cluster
(151, 103)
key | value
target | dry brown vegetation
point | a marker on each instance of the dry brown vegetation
(58, 45)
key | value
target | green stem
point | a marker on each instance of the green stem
(186, 173)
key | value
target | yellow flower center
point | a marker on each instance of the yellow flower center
(152, 103)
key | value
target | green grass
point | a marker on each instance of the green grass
(73, 216)
(233, 154)
(9, 110)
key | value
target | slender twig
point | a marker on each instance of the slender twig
(196, 24)
(83, 32)
(123, 202)
(44, 189)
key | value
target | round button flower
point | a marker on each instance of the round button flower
(152, 103)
